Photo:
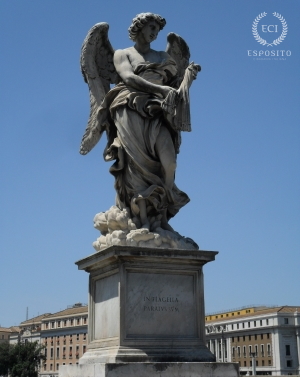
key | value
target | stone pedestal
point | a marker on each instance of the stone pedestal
(146, 315)
(152, 370)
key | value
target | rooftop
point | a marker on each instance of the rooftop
(34, 320)
(247, 311)
(75, 310)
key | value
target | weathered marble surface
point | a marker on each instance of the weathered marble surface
(118, 228)
(143, 116)
(151, 370)
(146, 305)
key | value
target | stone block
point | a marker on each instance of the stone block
(151, 370)
(146, 305)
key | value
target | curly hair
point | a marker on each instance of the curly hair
(141, 20)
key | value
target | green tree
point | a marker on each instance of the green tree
(4, 358)
(21, 359)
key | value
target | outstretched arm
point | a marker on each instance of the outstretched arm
(125, 70)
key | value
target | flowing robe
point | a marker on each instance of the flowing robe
(135, 119)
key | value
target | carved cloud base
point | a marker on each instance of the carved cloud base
(117, 228)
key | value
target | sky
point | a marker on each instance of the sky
(239, 165)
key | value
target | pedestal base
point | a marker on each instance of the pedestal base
(151, 370)
(146, 305)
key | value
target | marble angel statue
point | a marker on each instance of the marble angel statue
(142, 115)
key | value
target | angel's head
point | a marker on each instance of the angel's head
(141, 20)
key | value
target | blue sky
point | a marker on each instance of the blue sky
(240, 164)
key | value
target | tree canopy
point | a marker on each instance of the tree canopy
(21, 359)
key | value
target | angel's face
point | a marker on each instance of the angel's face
(150, 31)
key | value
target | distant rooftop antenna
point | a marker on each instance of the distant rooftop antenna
(27, 313)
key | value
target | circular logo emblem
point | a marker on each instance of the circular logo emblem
(261, 40)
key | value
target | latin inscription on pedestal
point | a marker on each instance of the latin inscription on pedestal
(160, 305)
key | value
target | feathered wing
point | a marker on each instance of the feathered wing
(179, 50)
(98, 71)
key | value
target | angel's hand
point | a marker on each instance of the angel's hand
(165, 90)
(196, 68)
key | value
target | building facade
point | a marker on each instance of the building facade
(29, 330)
(7, 332)
(64, 335)
(263, 340)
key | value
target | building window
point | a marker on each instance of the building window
(263, 363)
(84, 336)
(70, 354)
(64, 352)
(237, 326)
(232, 327)
(262, 350)
(45, 366)
(52, 325)
(256, 363)
(289, 363)
(243, 325)
(250, 350)
(58, 323)
(250, 363)
(239, 313)
(77, 336)
(256, 350)
(245, 363)
(78, 321)
(261, 322)
(286, 321)
(255, 337)
(261, 336)
(50, 366)
(232, 339)
(267, 322)
(248, 324)
(269, 349)
(57, 352)
(244, 351)
(232, 313)
(239, 351)
(249, 337)
(254, 322)
(71, 322)
(244, 338)
(238, 338)
(51, 353)
(287, 350)
(47, 325)
(268, 336)
(57, 366)
(71, 340)
(269, 362)
(84, 349)
(65, 322)
(233, 351)
(84, 320)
